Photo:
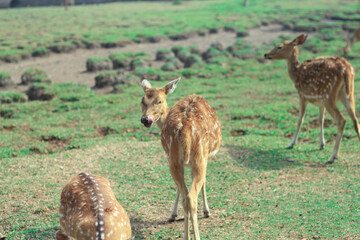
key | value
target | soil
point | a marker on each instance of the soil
(71, 67)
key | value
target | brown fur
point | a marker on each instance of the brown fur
(190, 134)
(321, 81)
(89, 210)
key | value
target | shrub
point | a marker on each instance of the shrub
(5, 79)
(10, 97)
(40, 91)
(163, 54)
(29, 75)
(39, 52)
(106, 79)
(120, 60)
(94, 64)
(41, 79)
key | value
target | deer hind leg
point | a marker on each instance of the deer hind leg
(302, 109)
(349, 104)
(340, 122)
(177, 172)
(198, 180)
(206, 208)
(321, 122)
(174, 212)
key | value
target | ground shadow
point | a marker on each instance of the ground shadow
(272, 159)
(138, 226)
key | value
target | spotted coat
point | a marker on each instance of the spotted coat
(90, 211)
(193, 125)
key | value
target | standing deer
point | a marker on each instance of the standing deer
(355, 38)
(190, 134)
(89, 210)
(68, 2)
(321, 81)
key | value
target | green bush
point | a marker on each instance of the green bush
(10, 97)
(29, 75)
(41, 79)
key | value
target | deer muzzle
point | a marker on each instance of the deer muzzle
(147, 120)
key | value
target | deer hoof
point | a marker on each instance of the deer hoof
(172, 218)
(331, 160)
(207, 214)
(290, 147)
(322, 147)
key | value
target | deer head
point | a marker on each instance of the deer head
(286, 49)
(154, 106)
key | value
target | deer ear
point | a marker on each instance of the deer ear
(300, 39)
(170, 87)
(145, 84)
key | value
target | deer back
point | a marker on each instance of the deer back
(321, 77)
(191, 128)
(89, 210)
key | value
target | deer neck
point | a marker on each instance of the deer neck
(293, 64)
(161, 121)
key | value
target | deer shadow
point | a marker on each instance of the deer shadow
(272, 159)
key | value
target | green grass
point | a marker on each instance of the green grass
(256, 188)
(34, 31)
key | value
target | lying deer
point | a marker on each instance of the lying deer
(321, 81)
(190, 134)
(89, 210)
(355, 38)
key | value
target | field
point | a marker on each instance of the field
(256, 188)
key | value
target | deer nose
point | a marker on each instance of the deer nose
(144, 120)
(265, 55)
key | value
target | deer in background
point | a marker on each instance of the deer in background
(355, 38)
(190, 134)
(321, 81)
(89, 210)
(68, 2)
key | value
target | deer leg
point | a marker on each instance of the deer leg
(177, 172)
(340, 122)
(174, 212)
(61, 236)
(321, 122)
(198, 180)
(302, 108)
(349, 104)
(206, 208)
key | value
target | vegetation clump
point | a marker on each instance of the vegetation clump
(121, 60)
(11, 97)
(30, 76)
(95, 64)
(106, 79)
(40, 91)
(163, 54)
(5, 80)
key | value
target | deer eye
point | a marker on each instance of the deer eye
(279, 47)
(159, 102)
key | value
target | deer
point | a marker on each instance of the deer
(89, 210)
(355, 38)
(191, 133)
(68, 2)
(321, 81)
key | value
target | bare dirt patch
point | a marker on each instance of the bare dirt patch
(71, 67)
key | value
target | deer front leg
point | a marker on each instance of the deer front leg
(321, 122)
(303, 104)
(174, 212)
(206, 208)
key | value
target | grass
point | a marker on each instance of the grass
(34, 31)
(256, 188)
